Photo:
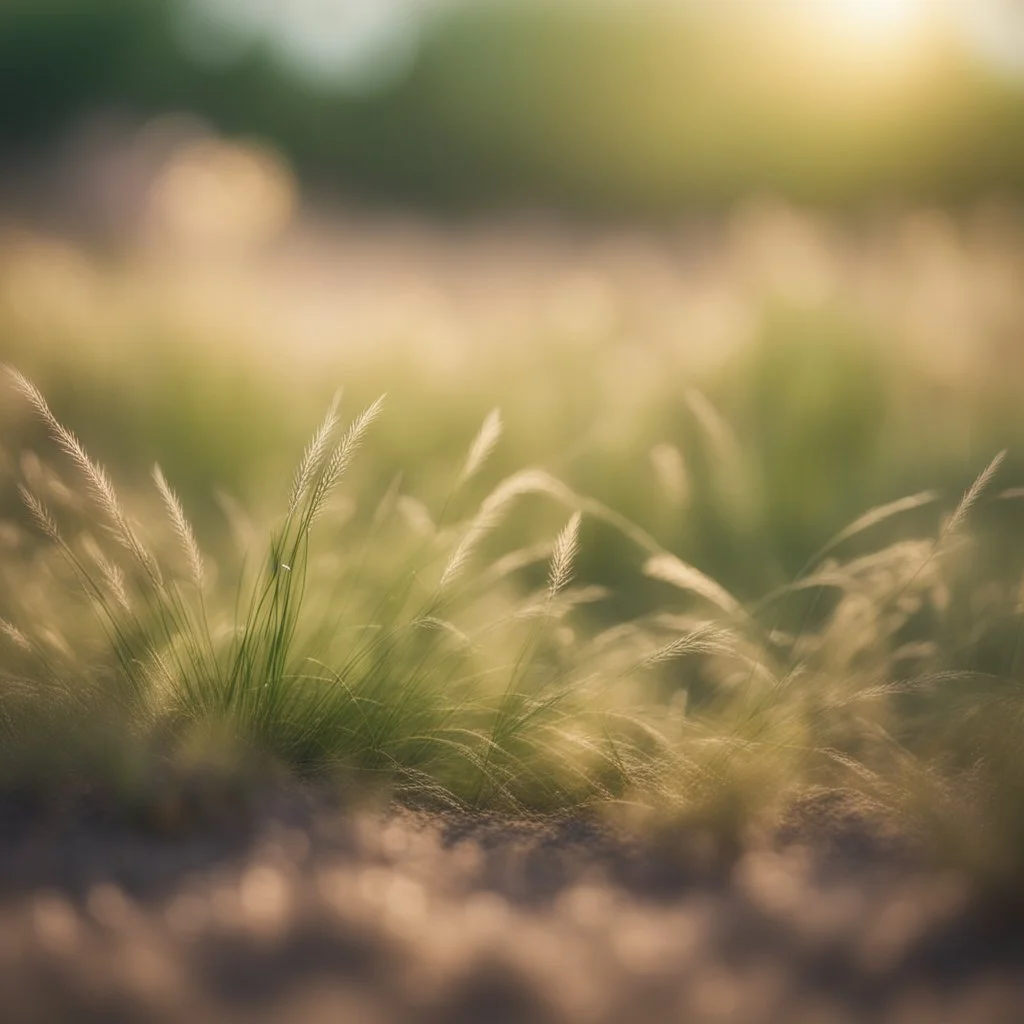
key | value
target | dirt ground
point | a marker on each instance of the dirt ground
(304, 911)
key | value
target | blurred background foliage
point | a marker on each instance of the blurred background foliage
(739, 269)
(596, 105)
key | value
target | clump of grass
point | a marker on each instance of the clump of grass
(395, 649)
(494, 708)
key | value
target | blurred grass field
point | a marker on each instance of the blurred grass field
(742, 387)
(718, 399)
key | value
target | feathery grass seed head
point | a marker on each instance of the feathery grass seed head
(669, 569)
(974, 493)
(41, 515)
(96, 478)
(314, 455)
(341, 458)
(15, 635)
(493, 509)
(182, 527)
(874, 517)
(563, 556)
(708, 638)
(483, 445)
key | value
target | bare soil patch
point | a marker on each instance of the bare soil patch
(302, 910)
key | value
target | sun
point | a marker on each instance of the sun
(883, 24)
(860, 51)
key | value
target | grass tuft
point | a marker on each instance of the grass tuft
(385, 649)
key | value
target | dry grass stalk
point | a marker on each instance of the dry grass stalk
(493, 508)
(563, 556)
(314, 456)
(15, 635)
(974, 493)
(669, 569)
(41, 515)
(182, 527)
(483, 445)
(708, 638)
(98, 482)
(341, 458)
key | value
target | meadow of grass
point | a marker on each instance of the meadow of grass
(648, 585)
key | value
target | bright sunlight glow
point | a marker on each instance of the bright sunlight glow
(884, 22)
(878, 38)
(874, 24)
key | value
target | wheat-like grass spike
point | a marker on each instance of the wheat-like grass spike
(95, 475)
(563, 556)
(41, 515)
(669, 569)
(974, 493)
(314, 455)
(341, 458)
(483, 445)
(182, 527)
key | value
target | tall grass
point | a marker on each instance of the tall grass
(413, 650)
(406, 694)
